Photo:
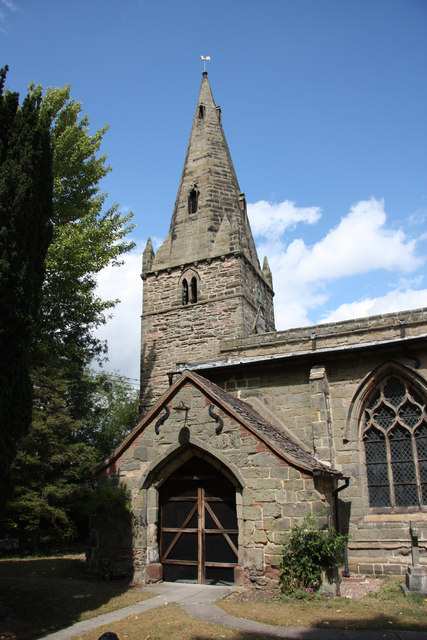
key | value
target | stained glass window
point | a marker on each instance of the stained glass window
(394, 431)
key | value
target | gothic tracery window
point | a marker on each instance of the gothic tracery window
(394, 432)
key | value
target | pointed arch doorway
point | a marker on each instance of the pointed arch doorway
(198, 525)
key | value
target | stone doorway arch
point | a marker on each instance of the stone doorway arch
(197, 518)
(198, 529)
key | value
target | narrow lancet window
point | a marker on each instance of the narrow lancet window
(193, 286)
(193, 201)
(184, 292)
(201, 112)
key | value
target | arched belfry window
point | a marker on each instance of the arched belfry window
(201, 112)
(394, 433)
(190, 282)
(193, 201)
(193, 290)
(184, 292)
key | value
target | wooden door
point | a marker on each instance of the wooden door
(198, 525)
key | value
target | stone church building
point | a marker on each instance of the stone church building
(246, 429)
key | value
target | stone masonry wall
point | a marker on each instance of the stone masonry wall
(173, 333)
(312, 396)
(271, 495)
(347, 334)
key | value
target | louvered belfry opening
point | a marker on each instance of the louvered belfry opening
(395, 440)
(198, 525)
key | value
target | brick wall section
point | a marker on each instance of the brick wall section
(273, 496)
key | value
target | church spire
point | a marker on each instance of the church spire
(209, 218)
(205, 283)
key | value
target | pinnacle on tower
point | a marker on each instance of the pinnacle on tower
(266, 272)
(147, 256)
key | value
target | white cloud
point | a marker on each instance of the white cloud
(303, 276)
(9, 5)
(270, 219)
(360, 244)
(122, 331)
(393, 301)
(418, 217)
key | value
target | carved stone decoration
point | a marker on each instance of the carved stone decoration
(161, 420)
(217, 419)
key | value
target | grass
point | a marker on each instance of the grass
(387, 609)
(40, 595)
(169, 622)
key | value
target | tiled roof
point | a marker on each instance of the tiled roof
(291, 449)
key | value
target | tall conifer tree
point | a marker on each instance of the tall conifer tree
(25, 234)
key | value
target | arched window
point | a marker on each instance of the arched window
(193, 287)
(184, 291)
(394, 432)
(193, 201)
(201, 112)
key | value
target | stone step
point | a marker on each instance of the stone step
(354, 577)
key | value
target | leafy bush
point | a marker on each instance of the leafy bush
(309, 551)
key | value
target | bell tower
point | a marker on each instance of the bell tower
(205, 282)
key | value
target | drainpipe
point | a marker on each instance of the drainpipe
(171, 374)
(346, 572)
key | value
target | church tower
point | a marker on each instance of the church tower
(205, 282)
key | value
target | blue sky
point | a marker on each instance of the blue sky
(323, 105)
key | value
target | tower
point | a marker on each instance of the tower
(205, 282)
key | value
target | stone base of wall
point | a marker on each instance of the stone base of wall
(154, 572)
(109, 563)
(383, 566)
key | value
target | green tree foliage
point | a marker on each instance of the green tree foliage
(114, 412)
(52, 472)
(309, 551)
(71, 411)
(25, 234)
(53, 466)
(85, 239)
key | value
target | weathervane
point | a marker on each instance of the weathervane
(205, 60)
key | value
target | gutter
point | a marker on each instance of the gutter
(232, 362)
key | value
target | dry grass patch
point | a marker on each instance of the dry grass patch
(169, 622)
(40, 595)
(387, 609)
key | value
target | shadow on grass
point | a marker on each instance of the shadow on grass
(39, 595)
(387, 610)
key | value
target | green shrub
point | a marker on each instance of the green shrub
(309, 551)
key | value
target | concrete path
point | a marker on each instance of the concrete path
(198, 601)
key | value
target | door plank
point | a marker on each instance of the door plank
(187, 520)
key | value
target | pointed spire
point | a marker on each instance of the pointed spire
(209, 217)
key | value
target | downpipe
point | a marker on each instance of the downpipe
(346, 572)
